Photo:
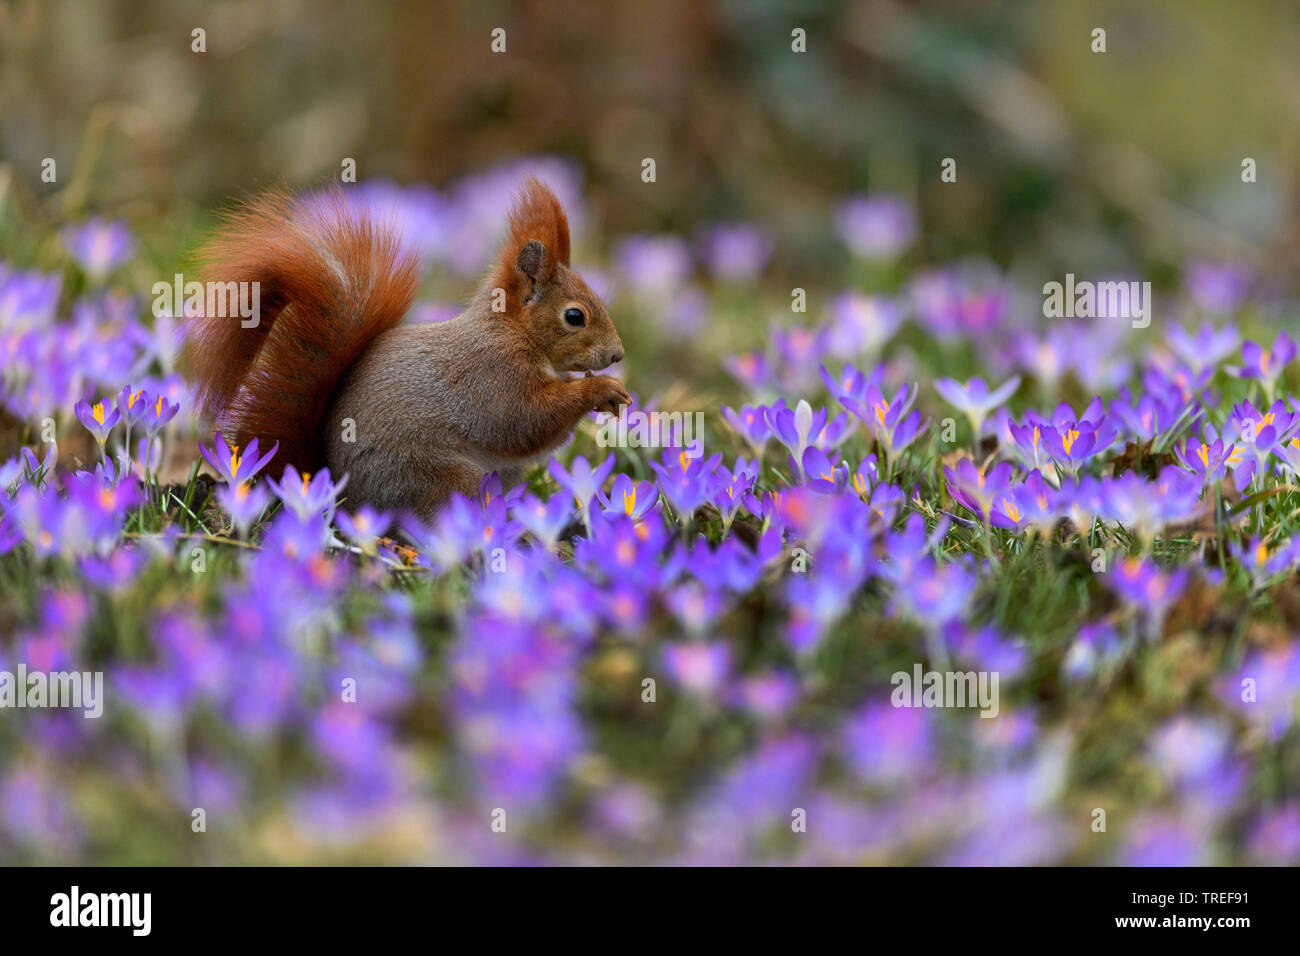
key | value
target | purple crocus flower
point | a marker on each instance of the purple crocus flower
(364, 527)
(629, 497)
(974, 399)
(888, 745)
(654, 265)
(885, 502)
(1207, 348)
(161, 697)
(292, 539)
(1190, 751)
(28, 300)
(491, 492)
(1256, 435)
(700, 668)
(1266, 364)
(968, 300)
(99, 419)
(750, 423)
(624, 606)
(232, 466)
(1217, 287)
(1006, 513)
(1275, 837)
(851, 383)
(133, 404)
(879, 226)
(768, 696)
(888, 419)
(861, 324)
(1144, 507)
(1045, 356)
(1144, 586)
(582, 481)
(798, 351)
(1096, 649)
(1208, 459)
(1071, 440)
(935, 594)
(759, 792)
(696, 605)
(1289, 455)
(821, 474)
(1149, 416)
(1178, 386)
(981, 491)
(36, 811)
(732, 566)
(28, 466)
(867, 476)
(1035, 503)
(1265, 690)
(512, 703)
(684, 478)
(1027, 441)
(157, 415)
(99, 246)
(819, 598)
(244, 503)
(1249, 420)
(621, 549)
(729, 490)
(544, 520)
(306, 496)
(736, 252)
(1165, 842)
(753, 370)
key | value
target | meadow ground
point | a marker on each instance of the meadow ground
(715, 652)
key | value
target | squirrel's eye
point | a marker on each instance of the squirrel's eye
(574, 317)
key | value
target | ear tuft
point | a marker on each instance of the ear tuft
(537, 239)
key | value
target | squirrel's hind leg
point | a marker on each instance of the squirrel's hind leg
(442, 481)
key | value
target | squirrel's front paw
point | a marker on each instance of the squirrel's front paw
(608, 394)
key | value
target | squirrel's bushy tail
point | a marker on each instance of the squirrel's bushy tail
(329, 279)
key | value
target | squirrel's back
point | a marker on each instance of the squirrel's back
(330, 280)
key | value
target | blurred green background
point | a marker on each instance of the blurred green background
(1080, 159)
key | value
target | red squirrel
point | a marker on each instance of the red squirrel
(411, 413)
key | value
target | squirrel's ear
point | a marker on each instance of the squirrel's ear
(534, 262)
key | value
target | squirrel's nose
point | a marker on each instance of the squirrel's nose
(615, 357)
